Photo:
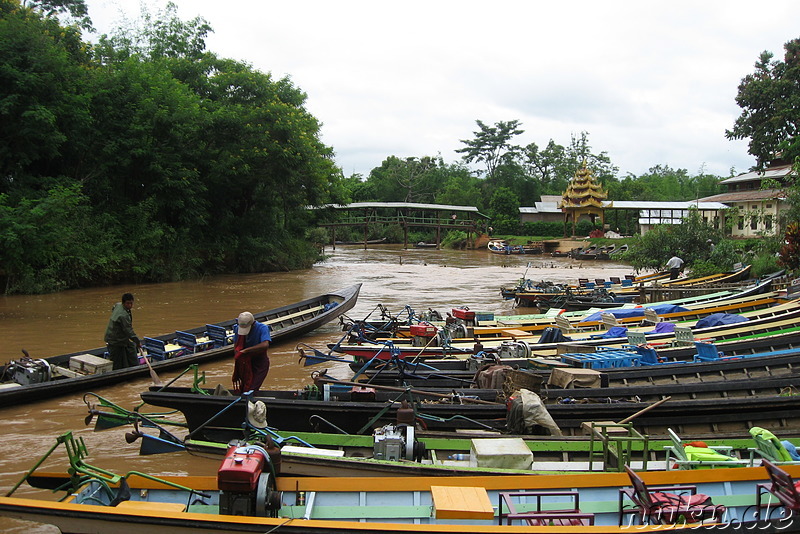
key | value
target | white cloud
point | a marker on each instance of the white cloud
(651, 83)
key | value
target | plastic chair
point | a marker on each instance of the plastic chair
(720, 456)
(770, 448)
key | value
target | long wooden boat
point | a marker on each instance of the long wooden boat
(523, 294)
(245, 497)
(214, 416)
(501, 246)
(50, 377)
(720, 278)
(774, 318)
(771, 363)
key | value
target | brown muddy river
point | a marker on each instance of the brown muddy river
(71, 321)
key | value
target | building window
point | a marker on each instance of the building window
(769, 206)
(741, 223)
(753, 223)
(768, 222)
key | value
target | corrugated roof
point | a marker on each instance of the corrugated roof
(773, 172)
(743, 196)
(702, 204)
(409, 205)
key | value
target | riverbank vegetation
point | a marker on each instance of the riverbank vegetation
(141, 156)
(145, 157)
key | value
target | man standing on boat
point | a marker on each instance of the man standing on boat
(675, 266)
(251, 361)
(121, 340)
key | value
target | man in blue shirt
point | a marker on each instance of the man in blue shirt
(251, 362)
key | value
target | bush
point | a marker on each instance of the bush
(542, 228)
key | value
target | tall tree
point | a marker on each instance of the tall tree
(770, 102)
(492, 145)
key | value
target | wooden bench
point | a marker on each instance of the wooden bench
(147, 507)
(461, 502)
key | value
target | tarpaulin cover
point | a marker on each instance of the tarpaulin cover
(664, 327)
(552, 334)
(717, 319)
(615, 331)
(636, 312)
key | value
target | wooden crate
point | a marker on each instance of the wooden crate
(90, 364)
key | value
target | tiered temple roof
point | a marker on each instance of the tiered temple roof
(583, 192)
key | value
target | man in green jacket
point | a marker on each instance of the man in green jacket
(122, 341)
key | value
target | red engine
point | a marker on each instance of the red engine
(423, 330)
(246, 482)
(241, 468)
(464, 314)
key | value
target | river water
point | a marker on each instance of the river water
(71, 321)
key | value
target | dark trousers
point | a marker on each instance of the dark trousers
(674, 272)
(123, 355)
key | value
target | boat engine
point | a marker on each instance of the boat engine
(513, 349)
(422, 333)
(396, 442)
(247, 483)
(26, 371)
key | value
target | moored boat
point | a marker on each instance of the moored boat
(246, 496)
(28, 379)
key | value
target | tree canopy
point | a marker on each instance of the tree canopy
(770, 102)
(146, 157)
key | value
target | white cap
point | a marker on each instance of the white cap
(245, 321)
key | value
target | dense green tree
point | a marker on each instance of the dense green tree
(492, 145)
(42, 98)
(770, 102)
(689, 240)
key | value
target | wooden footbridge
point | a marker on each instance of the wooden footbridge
(406, 215)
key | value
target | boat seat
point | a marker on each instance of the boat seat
(461, 502)
(668, 504)
(219, 334)
(162, 350)
(770, 448)
(627, 283)
(678, 455)
(707, 352)
(651, 316)
(146, 506)
(567, 514)
(782, 486)
(636, 338)
(614, 280)
(684, 336)
(583, 282)
(197, 344)
(608, 319)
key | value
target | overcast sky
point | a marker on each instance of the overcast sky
(651, 82)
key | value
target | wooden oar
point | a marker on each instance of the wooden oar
(395, 388)
(153, 376)
(643, 410)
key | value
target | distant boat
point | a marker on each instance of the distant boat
(423, 244)
(501, 246)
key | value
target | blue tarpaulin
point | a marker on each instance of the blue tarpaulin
(717, 319)
(664, 327)
(636, 312)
